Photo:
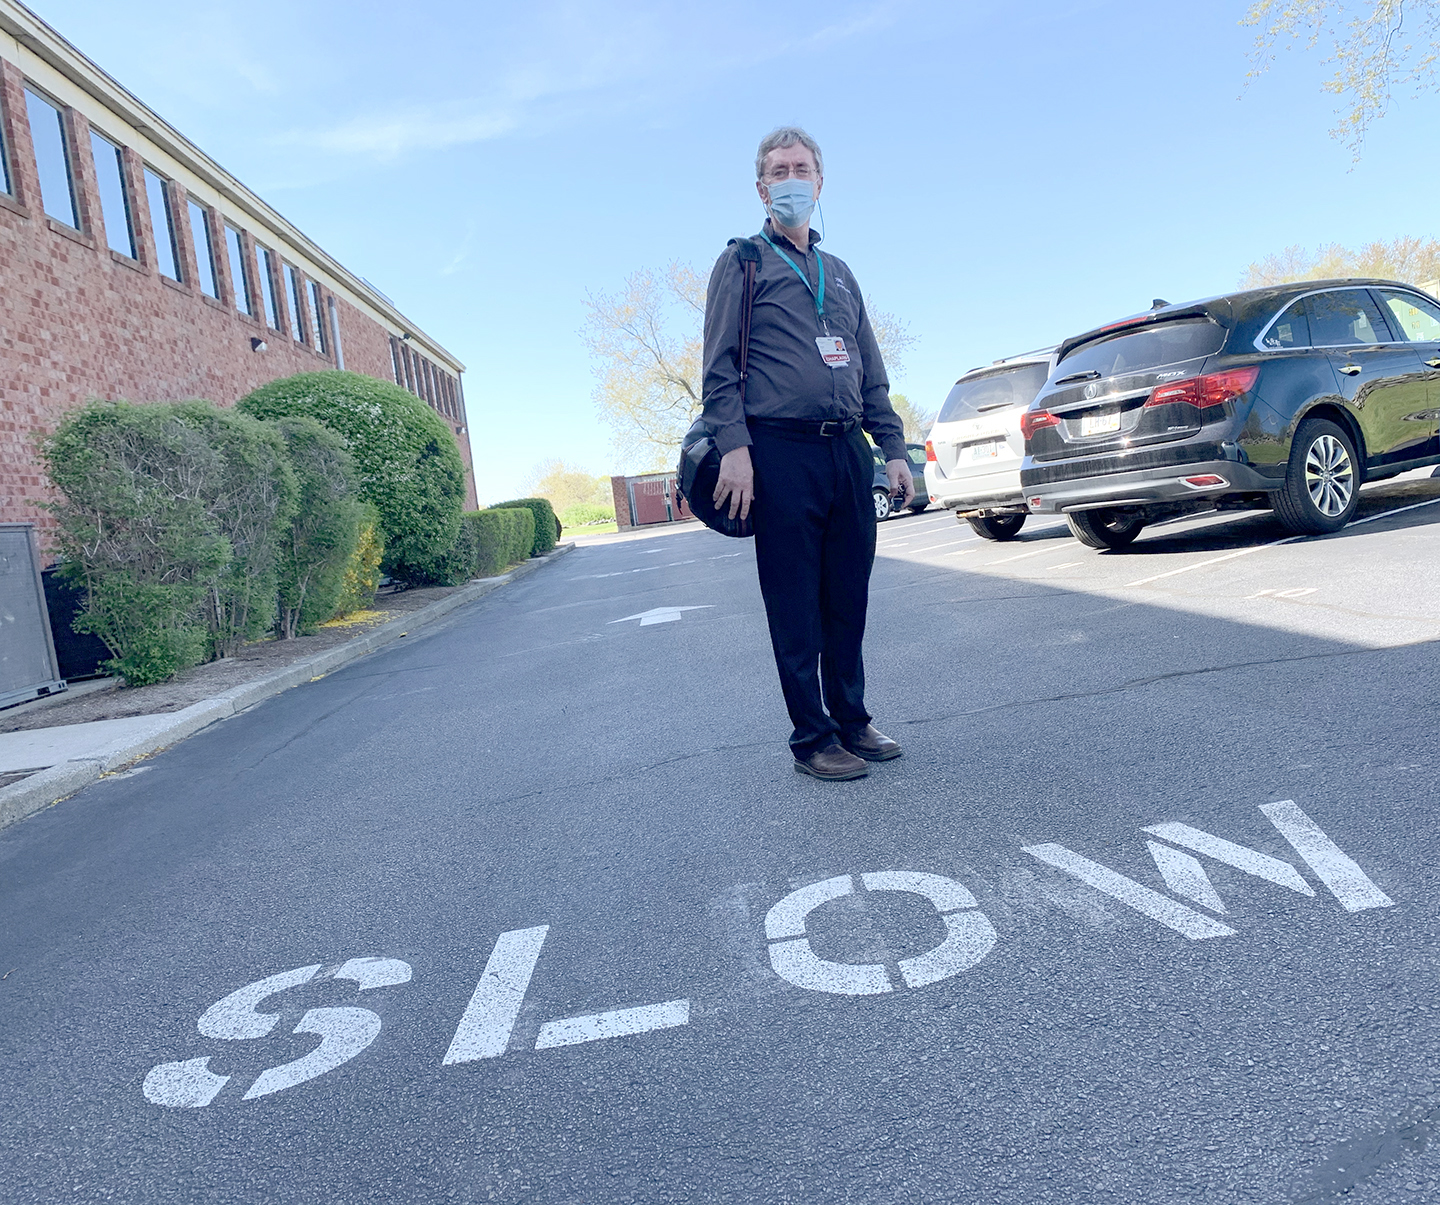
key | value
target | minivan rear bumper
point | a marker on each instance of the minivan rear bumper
(1147, 487)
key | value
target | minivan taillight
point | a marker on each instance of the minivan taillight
(930, 452)
(1214, 389)
(1037, 420)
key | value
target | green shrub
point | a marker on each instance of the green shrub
(250, 498)
(135, 531)
(497, 538)
(362, 572)
(547, 529)
(324, 531)
(587, 512)
(405, 457)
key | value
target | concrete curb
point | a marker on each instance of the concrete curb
(46, 787)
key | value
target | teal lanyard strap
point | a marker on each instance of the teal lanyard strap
(794, 267)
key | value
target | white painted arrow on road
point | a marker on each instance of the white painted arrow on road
(661, 615)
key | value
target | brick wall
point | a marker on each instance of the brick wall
(78, 320)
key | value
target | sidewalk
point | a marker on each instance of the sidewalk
(41, 764)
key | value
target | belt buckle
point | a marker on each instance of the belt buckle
(832, 422)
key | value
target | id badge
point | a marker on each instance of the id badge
(832, 350)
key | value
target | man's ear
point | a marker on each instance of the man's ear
(763, 191)
(819, 184)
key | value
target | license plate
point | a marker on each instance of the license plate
(1100, 424)
(985, 451)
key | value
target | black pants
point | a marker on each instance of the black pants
(815, 545)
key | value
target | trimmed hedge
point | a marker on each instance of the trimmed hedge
(496, 538)
(405, 457)
(547, 527)
(581, 513)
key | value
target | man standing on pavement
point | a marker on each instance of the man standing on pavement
(794, 452)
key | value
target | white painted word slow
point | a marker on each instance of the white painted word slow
(486, 1029)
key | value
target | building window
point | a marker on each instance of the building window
(114, 196)
(239, 275)
(52, 158)
(162, 225)
(204, 249)
(330, 308)
(5, 184)
(292, 295)
(317, 319)
(267, 286)
(395, 362)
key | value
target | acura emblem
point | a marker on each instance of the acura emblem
(1091, 389)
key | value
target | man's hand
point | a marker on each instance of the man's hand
(736, 482)
(901, 482)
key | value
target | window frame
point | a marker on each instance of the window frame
(67, 154)
(290, 275)
(167, 207)
(127, 202)
(204, 242)
(270, 316)
(314, 296)
(240, 287)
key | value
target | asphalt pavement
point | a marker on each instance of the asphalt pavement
(531, 907)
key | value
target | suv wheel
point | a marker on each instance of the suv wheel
(1322, 484)
(997, 527)
(882, 505)
(1104, 528)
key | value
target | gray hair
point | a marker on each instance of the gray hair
(787, 136)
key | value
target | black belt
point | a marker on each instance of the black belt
(829, 427)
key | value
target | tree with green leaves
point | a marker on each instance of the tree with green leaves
(1375, 46)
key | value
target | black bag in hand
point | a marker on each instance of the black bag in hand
(699, 467)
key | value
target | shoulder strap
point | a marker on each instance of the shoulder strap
(747, 250)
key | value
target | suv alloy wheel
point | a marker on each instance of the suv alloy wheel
(1104, 528)
(1322, 486)
(882, 505)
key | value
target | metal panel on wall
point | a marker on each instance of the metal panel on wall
(27, 654)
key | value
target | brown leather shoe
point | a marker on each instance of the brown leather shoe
(833, 764)
(873, 745)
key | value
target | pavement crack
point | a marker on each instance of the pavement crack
(1173, 675)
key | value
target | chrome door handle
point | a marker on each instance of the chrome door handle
(1435, 363)
(1350, 370)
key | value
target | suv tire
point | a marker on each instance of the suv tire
(1104, 528)
(997, 527)
(883, 507)
(1322, 482)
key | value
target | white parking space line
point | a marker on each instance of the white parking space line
(598, 1026)
(1215, 560)
(1037, 552)
(1399, 510)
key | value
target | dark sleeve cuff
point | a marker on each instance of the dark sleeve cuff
(894, 448)
(732, 436)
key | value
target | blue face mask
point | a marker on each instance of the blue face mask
(792, 202)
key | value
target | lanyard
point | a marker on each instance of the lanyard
(820, 297)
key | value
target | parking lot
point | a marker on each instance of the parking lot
(1146, 913)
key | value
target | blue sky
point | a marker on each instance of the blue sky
(998, 175)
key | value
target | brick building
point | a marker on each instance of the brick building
(133, 266)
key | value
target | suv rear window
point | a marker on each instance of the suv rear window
(993, 392)
(1150, 347)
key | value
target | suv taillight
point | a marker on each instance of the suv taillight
(1215, 389)
(930, 452)
(1037, 420)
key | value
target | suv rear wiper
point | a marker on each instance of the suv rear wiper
(1092, 375)
(985, 409)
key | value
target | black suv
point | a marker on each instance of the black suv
(1287, 397)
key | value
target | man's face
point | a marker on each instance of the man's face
(789, 163)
